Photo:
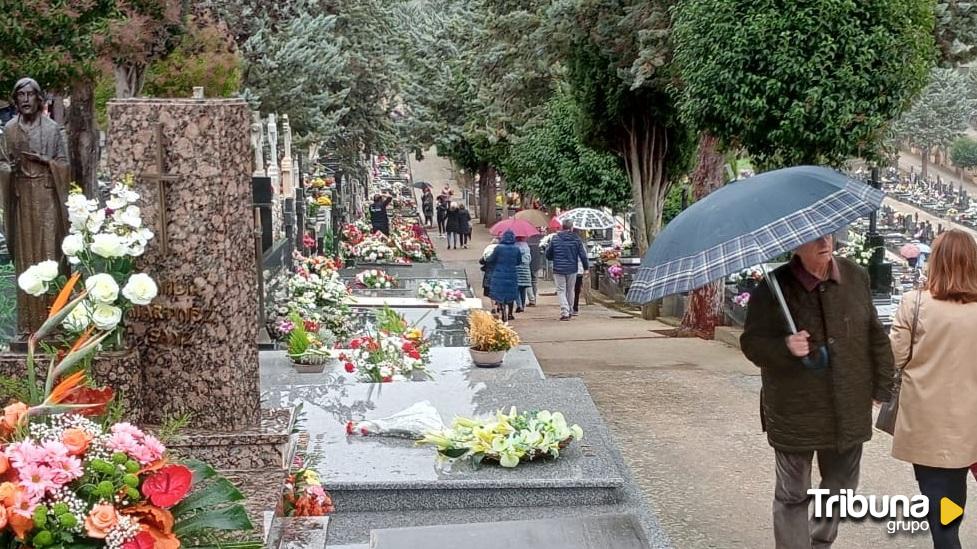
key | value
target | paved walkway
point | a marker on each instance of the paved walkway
(685, 413)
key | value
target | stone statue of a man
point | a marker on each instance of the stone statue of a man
(34, 178)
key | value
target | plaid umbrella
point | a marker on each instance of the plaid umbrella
(748, 223)
(588, 219)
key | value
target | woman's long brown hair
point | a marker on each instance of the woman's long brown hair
(953, 267)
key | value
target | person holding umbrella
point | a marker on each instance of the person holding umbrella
(811, 325)
(822, 406)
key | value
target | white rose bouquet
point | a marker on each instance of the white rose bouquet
(374, 249)
(101, 245)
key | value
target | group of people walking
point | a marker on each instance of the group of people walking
(819, 385)
(453, 218)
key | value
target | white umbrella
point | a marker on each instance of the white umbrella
(588, 219)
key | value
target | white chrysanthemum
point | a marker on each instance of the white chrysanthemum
(140, 289)
(102, 288)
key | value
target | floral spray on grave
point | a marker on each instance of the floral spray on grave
(73, 476)
(101, 246)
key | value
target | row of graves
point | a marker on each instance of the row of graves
(363, 421)
(423, 420)
(934, 195)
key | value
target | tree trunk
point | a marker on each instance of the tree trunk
(924, 168)
(486, 194)
(505, 198)
(83, 136)
(129, 80)
(645, 149)
(705, 306)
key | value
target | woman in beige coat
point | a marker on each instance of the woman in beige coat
(936, 427)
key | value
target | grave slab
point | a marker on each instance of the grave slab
(277, 371)
(432, 270)
(381, 473)
(598, 532)
(445, 327)
(411, 302)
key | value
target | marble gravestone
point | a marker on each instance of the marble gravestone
(191, 161)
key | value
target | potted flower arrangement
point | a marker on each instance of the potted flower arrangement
(454, 296)
(102, 244)
(376, 279)
(489, 339)
(432, 290)
(304, 495)
(352, 234)
(309, 345)
(507, 439)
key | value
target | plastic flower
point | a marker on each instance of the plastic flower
(106, 317)
(108, 245)
(140, 289)
(30, 282)
(102, 288)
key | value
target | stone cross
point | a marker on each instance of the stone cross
(161, 181)
(258, 142)
(288, 177)
(273, 172)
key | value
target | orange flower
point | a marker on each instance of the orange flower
(20, 524)
(13, 415)
(64, 295)
(76, 440)
(3, 517)
(4, 466)
(66, 386)
(102, 518)
(158, 522)
(7, 492)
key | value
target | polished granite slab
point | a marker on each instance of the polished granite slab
(384, 474)
(408, 285)
(433, 270)
(445, 327)
(277, 371)
(411, 302)
(617, 531)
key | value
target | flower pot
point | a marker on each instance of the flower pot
(308, 368)
(487, 359)
(310, 363)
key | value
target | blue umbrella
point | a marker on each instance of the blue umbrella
(747, 223)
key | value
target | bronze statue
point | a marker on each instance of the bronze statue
(34, 178)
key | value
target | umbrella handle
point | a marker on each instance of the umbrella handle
(817, 362)
(775, 288)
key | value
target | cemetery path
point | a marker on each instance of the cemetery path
(685, 414)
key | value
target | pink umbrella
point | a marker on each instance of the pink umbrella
(554, 224)
(909, 251)
(520, 227)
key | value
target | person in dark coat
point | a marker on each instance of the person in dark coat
(505, 259)
(452, 226)
(379, 219)
(487, 267)
(566, 250)
(442, 214)
(464, 225)
(427, 206)
(823, 405)
(536, 258)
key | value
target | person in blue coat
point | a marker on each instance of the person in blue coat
(505, 259)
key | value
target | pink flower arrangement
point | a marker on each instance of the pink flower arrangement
(742, 300)
(615, 271)
(130, 440)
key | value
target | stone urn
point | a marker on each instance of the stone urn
(487, 359)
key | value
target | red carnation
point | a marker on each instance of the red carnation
(363, 431)
(408, 346)
(388, 379)
(143, 540)
(349, 427)
(355, 344)
(350, 368)
(169, 486)
(414, 354)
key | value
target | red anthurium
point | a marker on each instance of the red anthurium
(169, 486)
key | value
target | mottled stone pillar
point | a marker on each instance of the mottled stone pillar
(197, 339)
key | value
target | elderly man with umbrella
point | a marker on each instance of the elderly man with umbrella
(819, 382)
